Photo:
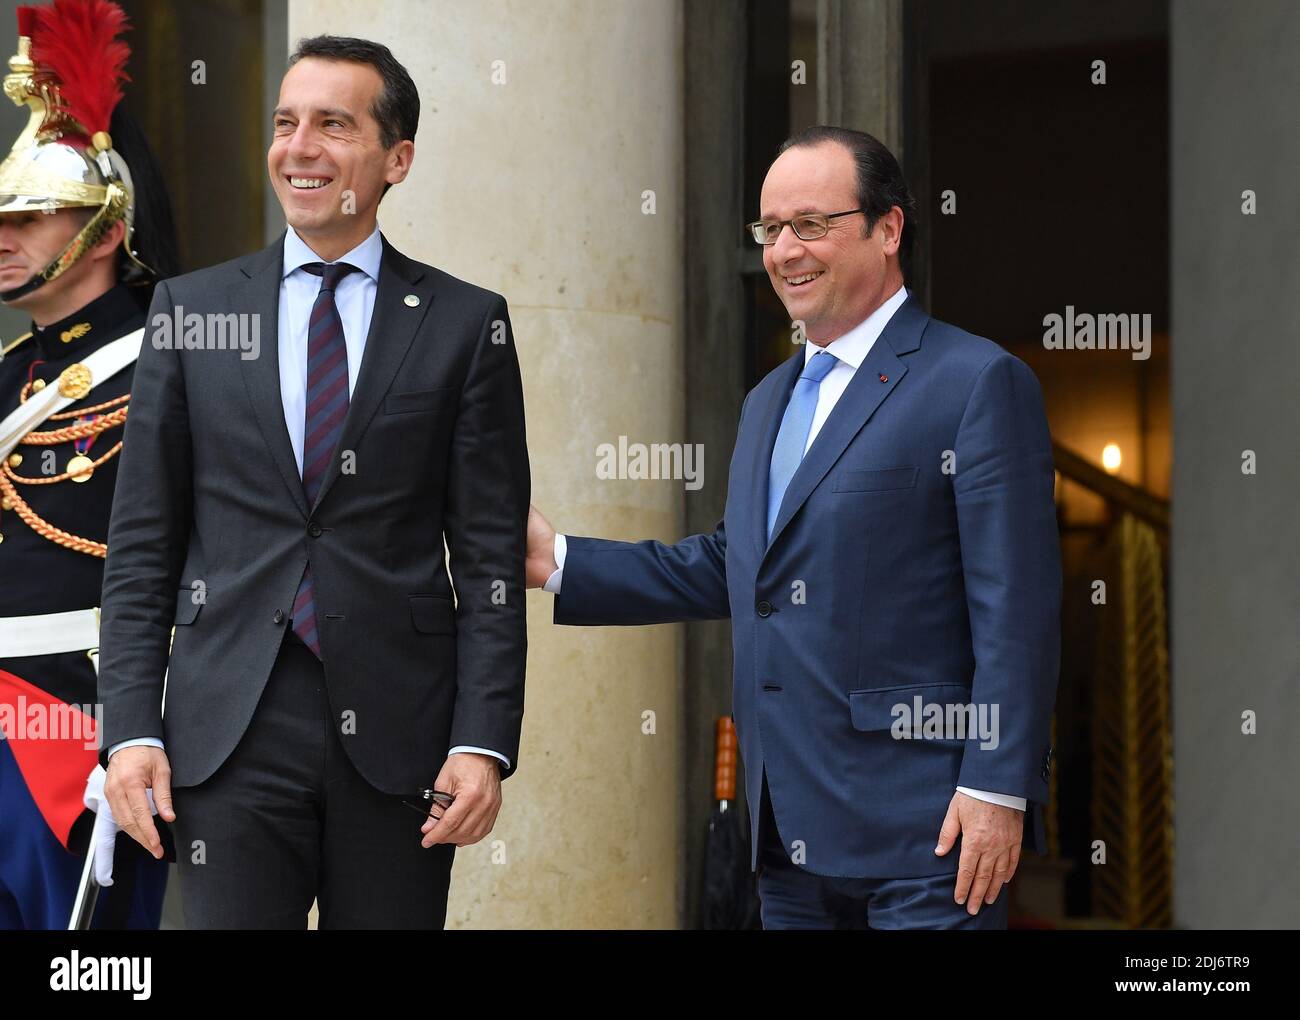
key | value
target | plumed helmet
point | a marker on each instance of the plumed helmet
(69, 71)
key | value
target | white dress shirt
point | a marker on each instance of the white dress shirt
(850, 351)
(355, 299)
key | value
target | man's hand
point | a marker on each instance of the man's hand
(475, 781)
(990, 847)
(540, 563)
(131, 772)
(103, 837)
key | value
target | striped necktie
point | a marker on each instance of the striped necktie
(327, 406)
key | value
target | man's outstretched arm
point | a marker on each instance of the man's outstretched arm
(629, 583)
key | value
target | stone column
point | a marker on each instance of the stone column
(549, 168)
(1235, 597)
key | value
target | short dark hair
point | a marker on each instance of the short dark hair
(881, 185)
(397, 107)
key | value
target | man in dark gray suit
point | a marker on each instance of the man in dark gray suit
(309, 425)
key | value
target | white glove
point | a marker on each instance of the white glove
(103, 838)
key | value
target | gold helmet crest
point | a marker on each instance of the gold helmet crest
(69, 71)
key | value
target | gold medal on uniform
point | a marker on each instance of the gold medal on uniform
(80, 467)
(79, 464)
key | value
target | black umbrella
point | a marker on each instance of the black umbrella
(729, 901)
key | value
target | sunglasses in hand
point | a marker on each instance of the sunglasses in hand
(426, 800)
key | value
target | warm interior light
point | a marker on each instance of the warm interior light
(1110, 457)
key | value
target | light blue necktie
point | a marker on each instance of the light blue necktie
(793, 437)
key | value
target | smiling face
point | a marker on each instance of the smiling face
(834, 282)
(326, 161)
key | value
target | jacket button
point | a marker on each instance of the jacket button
(314, 529)
(278, 616)
(764, 608)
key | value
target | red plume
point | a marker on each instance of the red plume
(26, 19)
(77, 41)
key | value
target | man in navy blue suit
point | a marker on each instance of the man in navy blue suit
(890, 561)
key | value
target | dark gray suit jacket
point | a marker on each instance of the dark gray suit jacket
(211, 531)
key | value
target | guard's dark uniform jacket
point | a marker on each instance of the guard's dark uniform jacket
(37, 575)
(44, 826)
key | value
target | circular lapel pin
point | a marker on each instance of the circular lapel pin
(411, 300)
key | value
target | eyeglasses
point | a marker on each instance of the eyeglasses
(806, 226)
(425, 800)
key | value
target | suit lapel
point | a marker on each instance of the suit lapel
(393, 325)
(874, 380)
(259, 292)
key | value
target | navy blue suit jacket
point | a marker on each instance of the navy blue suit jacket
(916, 554)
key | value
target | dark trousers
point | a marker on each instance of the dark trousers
(791, 897)
(286, 819)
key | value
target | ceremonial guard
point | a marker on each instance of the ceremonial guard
(85, 232)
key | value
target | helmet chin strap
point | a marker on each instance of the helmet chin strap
(71, 252)
(86, 239)
(36, 281)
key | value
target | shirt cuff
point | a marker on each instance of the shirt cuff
(466, 749)
(553, 582)
(137, 742)
(1005, 799)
